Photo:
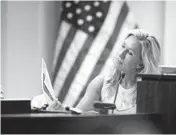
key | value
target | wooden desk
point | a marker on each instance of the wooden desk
(156, 105)
(158, 96)
(51, 123)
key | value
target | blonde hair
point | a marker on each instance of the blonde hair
(150, 56)
(151, 50)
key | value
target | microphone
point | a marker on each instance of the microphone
(122, 75)
(105, 106)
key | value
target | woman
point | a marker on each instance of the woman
(140, 53)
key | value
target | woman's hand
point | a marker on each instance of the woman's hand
(38, 102)
(113, 69)
(116, 64)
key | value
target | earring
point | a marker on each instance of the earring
(139, 68)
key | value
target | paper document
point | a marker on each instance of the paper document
(46, 84)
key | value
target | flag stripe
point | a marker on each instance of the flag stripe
(75, 68)
(108, 48)
(66, 44)
(94, 53)
(70, 57)
(80, 58)
(63, 31)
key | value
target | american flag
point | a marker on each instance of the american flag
(88, 37)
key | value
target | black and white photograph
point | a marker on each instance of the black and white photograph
(88, 67)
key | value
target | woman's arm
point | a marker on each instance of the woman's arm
(93, 93)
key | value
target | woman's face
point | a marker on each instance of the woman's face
(129, 55)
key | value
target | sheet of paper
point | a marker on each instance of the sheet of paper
(46, 84)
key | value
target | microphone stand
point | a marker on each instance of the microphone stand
(104, 107)
(122, 75)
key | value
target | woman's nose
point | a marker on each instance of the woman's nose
(123, 53)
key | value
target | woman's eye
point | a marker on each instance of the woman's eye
(130, 52)
(123, 46)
